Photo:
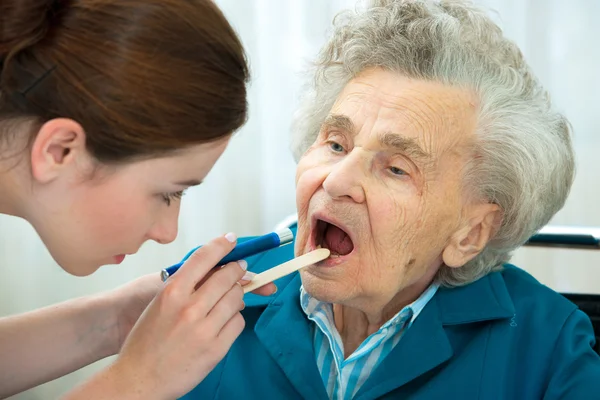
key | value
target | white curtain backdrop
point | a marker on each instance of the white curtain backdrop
(252, 187)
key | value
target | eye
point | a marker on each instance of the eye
(397, 171)
(336, 147)
(169, 197)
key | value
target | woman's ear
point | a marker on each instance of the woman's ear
(58, 144)
(470, 239)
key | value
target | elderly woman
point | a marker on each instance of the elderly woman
(428, 152)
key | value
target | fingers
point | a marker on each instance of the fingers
(230, 332)
(202, 261)
(214, 288)
(266, 290)
(229, 305)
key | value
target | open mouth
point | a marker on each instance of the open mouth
(332, 237)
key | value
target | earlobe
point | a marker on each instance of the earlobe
(55, 147)
(471, 239)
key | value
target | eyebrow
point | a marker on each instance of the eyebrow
(407, 145)
(341, 122)
(192, 182)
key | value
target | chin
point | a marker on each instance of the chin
(323, 290)
(65, 257)
(78, 268)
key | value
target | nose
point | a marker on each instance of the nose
(164, 230)
(346, 179)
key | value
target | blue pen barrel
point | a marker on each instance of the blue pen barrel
(242, 250)
(253, 246)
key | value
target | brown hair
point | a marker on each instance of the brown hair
(142, 77)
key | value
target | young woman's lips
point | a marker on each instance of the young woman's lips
(119, 259)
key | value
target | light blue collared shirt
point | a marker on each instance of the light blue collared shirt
(344, 377)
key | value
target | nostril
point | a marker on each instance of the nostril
(162, 240)
(164, 236)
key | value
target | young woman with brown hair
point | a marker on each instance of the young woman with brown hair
(109, 109)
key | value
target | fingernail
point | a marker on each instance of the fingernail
(274, 291)
(243, 264)
(231, 237)
(248, 276)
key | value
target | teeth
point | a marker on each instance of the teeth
(332, 255)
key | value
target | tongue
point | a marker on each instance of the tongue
(337, 241)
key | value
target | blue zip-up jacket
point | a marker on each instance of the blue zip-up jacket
(505, 336)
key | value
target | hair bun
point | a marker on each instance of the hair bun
(23, 23)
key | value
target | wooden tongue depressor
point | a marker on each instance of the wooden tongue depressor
(286, 268)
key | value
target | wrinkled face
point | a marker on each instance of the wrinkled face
(89, 222)
(381, 187)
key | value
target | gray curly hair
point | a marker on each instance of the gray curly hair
(525, 160)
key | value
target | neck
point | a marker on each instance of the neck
(14, 181)
(355, 324)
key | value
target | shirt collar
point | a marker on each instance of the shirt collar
(310, 305)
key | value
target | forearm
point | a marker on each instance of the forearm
(45, 344)
(111, 383)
